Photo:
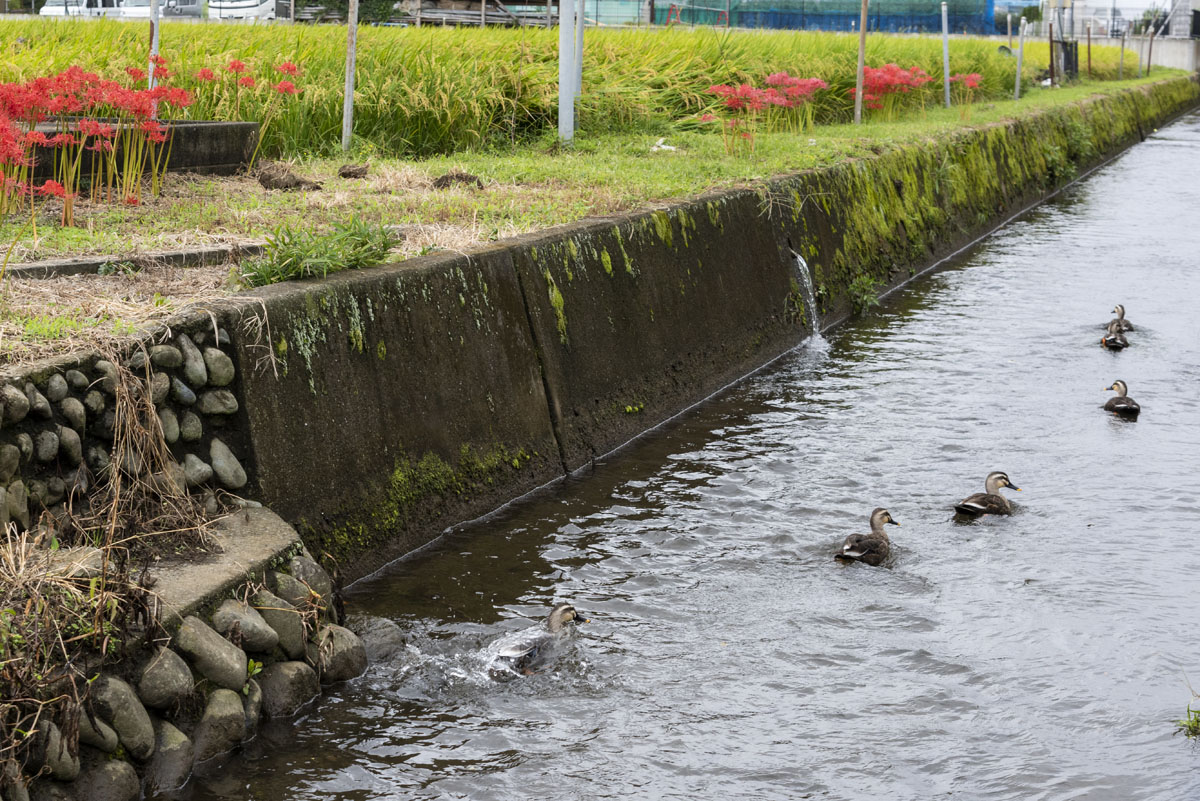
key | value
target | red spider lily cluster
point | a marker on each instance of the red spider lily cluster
(883, 86)
(964, 86)
(104, 136)
(87, 113)
(783, 104)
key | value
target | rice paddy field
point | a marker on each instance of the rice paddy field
(425, 91)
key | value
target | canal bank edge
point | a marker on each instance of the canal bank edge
(413, 397)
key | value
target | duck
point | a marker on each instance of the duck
(1114, 339)
(989, 502)
(873, 548)
(526, 652)
(1124, 324)
(1122, 405)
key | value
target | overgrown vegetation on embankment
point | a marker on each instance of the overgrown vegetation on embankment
(434, 90)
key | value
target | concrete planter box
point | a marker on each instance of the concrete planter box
(216, 148)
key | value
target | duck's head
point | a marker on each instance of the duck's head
(1119, 310)
(998, 479)
(881, 516)
(561, 616)
(1119, 388)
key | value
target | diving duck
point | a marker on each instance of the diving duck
(871, 548)
(525, 652)
(1124, 325)
(1122, 405)
(989, 502)
(1114, 339)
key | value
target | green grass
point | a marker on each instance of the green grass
(435, 90)
(527, 187)
(1190, 725)
(294, 253)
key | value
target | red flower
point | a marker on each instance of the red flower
(132, 201)
(162, 73)
(288, 68)
(135, 73)
(52, 188)
(707, 118)
(205, 75)
(93, 128)
(286, 88)
(247, 81)
(61, 140)
(158, 61)
(35, 138)
(236, 66)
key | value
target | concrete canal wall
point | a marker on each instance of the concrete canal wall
(414, 396)
(375, 408)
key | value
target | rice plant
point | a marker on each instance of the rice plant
(423, 91)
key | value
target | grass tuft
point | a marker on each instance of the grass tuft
(294, 253)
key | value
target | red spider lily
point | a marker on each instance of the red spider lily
(707, 118)
(286, 88)
(51, 189)
(236, 66)
(101, 146)
(133, 200)
(968, 79)
(135, 73)
(161, 73)
(93, 128)
(288, 68)
(35, 138)
(205, 74)
(61, 140)
(158, 61)
(247, 82)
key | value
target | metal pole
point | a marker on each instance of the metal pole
(862, 61)
(946, 54)
(580, 22)
(1121, 63)
(1089, 42)
(1010, 32)
(155, 19)
(351, 54)
(547, 14)
(1020, 58)
(1052, 54)
(292, 10)
(727, 22)
(566, 69)
(482, 13)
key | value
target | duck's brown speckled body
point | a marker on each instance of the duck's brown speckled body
(1122, 405)
(873, 548)
(989, 502)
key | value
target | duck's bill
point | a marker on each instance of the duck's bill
(1011, 487)
(894, 522)
(579, 620)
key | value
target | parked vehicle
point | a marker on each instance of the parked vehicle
(140, 9)
(241, 9)
(79, 8)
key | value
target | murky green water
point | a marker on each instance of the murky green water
(1042, 656)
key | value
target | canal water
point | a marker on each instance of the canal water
(1042, 656)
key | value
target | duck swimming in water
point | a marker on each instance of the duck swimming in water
(1122, 405)
(989, 502)
(1114, 339)
(525, 652)
(1124, 324)
(871, 548)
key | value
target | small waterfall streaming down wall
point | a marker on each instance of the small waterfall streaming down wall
(810, 300)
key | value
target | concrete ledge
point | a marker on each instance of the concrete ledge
(251, 541)
(193, 257)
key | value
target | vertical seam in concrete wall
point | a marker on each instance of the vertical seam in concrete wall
(547, 389)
